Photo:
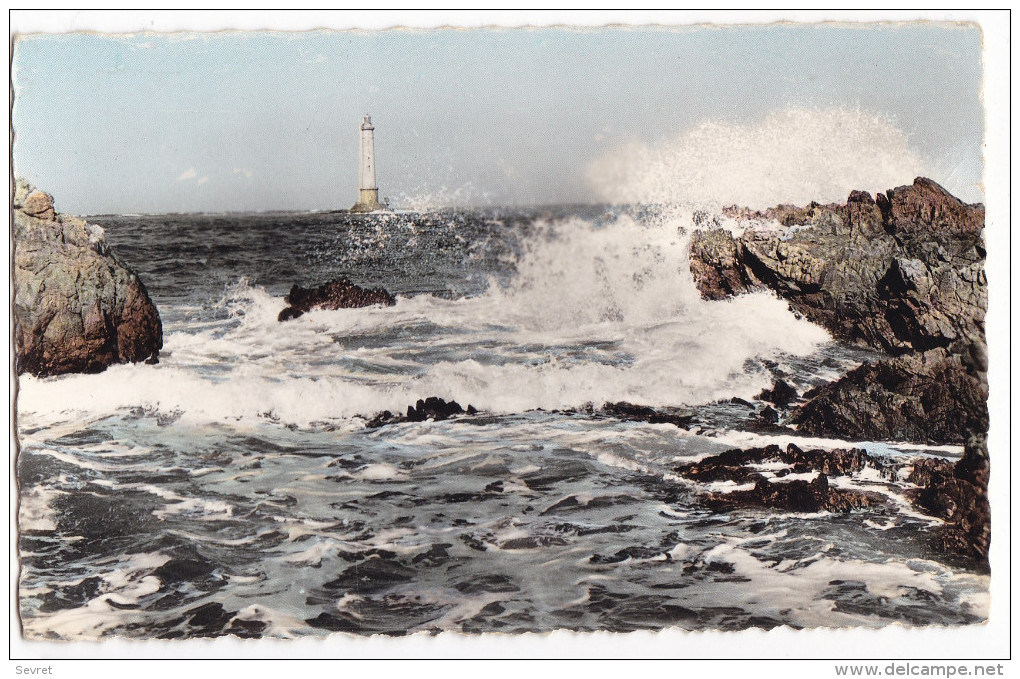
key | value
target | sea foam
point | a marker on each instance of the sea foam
(595, 313)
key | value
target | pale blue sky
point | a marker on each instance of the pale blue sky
(258, 121)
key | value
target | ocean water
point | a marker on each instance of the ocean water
(234, 488)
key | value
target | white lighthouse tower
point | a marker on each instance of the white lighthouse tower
(368, 192)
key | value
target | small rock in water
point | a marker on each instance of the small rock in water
(629, 411)
(432, 408)
(781, 394)
(338, 294)
(795, 496)
(769, 415)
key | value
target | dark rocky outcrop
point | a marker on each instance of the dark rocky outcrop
(77, 306)
(901, 272)
(337, 294)
(628, 411)
(782, 394)
(793, 496)
(735, 465)
(931, 397)
(956, 492)
(431, 408)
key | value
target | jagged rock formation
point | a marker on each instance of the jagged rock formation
(931, 397)
(956, 492)
(737, 464)
(337, 294)
(77, 306)
(901, 272)
(432, 408)
(795, 496)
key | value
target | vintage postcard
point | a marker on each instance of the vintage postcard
(500, 330)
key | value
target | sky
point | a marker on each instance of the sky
(254, 121)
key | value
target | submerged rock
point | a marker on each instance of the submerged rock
(337, 294)
(628, 411)
(77, 306)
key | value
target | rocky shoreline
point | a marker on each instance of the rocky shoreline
(955, 493)
(901, 272)
(77, 306)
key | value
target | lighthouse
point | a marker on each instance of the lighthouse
(368, 192)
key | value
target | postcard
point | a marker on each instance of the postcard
(500, 330)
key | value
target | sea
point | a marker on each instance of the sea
(235, 489)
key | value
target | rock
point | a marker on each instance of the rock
(781, 394)
(794, 496)
(736, 465)
(77, 306)
(798, 495)
(768, 415)
(838, 462)
(903, 274)
(931, 398)
(957, 494)
(39, 205)
(629, 411)
(338, 294)
(431, 408)
(925, 207)
(716, 266)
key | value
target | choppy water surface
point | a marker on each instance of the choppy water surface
(234, 489)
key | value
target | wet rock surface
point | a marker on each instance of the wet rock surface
(736, 464)
(929, 398)
(902, 272)
(957, 494)
(628, 411)
(77, 306)
(954, 492)
(782, 394)
(431, 408)
(794, 496)
(337, 294)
